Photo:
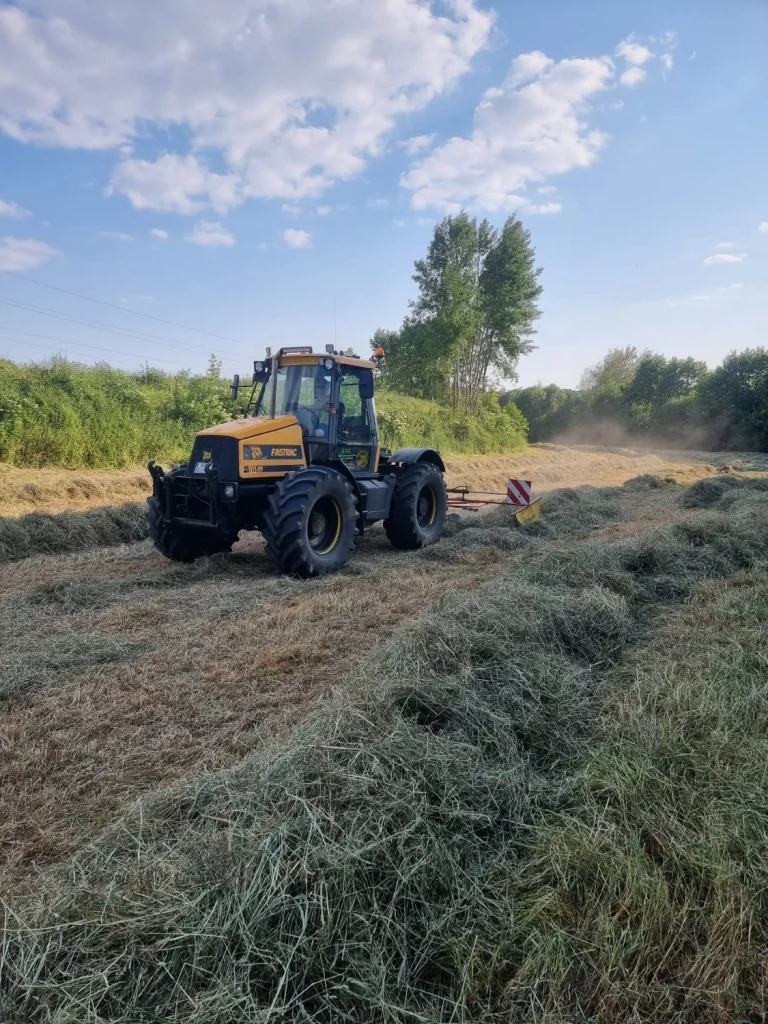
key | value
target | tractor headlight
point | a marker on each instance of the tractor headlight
(229, 491)
(258, 366)
(328, 364)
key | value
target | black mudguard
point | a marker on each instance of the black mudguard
(410, 456)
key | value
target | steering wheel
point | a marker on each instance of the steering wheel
(308, 418)
(311, 422)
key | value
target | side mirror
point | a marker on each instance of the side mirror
(366, 384)
(260, 371)
(235, 386)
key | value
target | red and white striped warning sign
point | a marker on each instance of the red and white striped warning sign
(519, 492)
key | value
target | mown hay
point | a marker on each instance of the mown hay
(710, 493)
(378, 866)
(569, 511)
(646, 482)
(40, 533)
(645, 892)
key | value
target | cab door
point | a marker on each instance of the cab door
(355, 434)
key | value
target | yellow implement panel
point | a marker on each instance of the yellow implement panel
(529, 513)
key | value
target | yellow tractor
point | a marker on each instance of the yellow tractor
(304, 466)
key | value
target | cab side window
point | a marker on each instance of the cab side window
(354, 425)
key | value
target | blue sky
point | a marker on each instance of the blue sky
(245, 167)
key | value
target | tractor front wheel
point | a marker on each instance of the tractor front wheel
(178, 546)
(309, 524)
(418, 508)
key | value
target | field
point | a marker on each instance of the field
(518, 775)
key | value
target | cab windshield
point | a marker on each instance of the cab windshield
(303, 391)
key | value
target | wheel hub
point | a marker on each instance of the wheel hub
(324, 526)
(317, 525)
(426, 507)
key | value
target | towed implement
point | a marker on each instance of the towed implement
(304, 466)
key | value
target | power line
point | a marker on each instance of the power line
(123, 309)
(85, 321)
(87, 355)
(95, 325)
(81, 344)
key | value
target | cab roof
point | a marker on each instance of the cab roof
(301, 356)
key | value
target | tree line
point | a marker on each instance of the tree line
(644, 396)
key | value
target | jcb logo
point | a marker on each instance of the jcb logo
(284, 453)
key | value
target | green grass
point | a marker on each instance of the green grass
(64, 414)
(542, 800)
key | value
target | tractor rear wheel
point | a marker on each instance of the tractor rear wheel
(418, 508)
(180, 547)
(309, 524)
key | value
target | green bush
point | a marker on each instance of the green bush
(409, 422)
(63, 414)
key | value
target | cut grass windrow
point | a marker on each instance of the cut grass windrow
(41, 533)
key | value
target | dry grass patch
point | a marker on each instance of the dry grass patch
(61, 490)
(118, 683)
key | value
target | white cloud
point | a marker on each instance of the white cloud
(292, 208)
(636, 54)
(323, 211)
(546, 190)
(668, 38)
(284, 97)
(159, 233)
(119, 236)
(526, 68)
(210, 233)
(400, 223)
(416, 143)
(177, 184)
(377, 204)
(633, 52)
(763, 227)
(545, 208)
(633, 76)
(725, 257)
(297, 239)
(10, 209)
(725, 245)
(522, 134)
(24, 253)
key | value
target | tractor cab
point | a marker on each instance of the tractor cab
(331, 397)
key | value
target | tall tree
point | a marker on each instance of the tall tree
(474, 314)
(614, 371)
(658, 380)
